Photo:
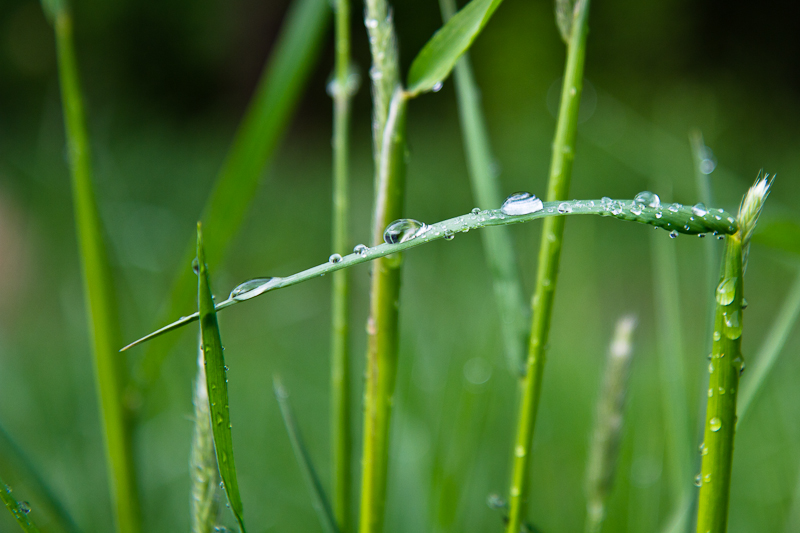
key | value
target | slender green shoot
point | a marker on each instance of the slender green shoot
(498, 246)
(343, 87)
(20, 510)
(607, 434)
(321, 505)
(549, 259)
(111, 373)
(253, 147)
(202, 460)
(407, 233)
(725, 368)
(771, 348)
(216, 384)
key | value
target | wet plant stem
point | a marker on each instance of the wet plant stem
(340, 363)
(549, 257)
(101, 305)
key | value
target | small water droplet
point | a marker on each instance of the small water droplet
(698, 480)
(521, 203)
(721, 390)
(476, 210)
(196, 265)
(739, 363)
(720, 237)
(744, 303)
(710, 392)
(519, 451)
(637, 209)
(710, 371)
(564, 207)
(701, 235)
(222, 485)
(25, 507)
(703, 449)
(371, 23)
(674, 207)
(437, 87)
(449, 235)
(252, 288)
(647, 199)
(673, 234)
(403, 230)
(699, 209)
(334, 258)
(707, 478)
(726, 290)
(715, 424)
(659, 214)
(361, 249)
(226, 368)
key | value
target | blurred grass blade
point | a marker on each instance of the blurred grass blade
(437, 58)
(607, 434)
(202, 461)
(497, 244)
(781, 234)
(101, 304)
(260, 131)
(217, 384)
(771, 348)
(13, 457)
(21, 511)
(318, 498)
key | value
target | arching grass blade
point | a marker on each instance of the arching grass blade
(202, 459)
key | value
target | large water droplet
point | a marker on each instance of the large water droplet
(334, 258)
(252, 288)
(361, 249)
(564, 207)
(733, 324)
(715, 424)
(699, 210)
(698, 480)
(726, 291)
(647, 199)
(521, 203)
(403, 230)
(673, 234)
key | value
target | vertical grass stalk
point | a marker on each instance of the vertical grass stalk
(202, 461)
(725, 368)
(343, 88)
(549, 255)
(101, 305)
(498, 248)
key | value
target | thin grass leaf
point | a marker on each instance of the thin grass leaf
(259, 133)
(217, 384)
(202, 459)
(101, 304)
(675, 218)
(317, 492)
(21, 511)
(771, 348)
(14, 457)
(497, 245)
(437, 58)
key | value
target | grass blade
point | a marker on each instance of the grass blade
(771, 348)
(20, 511)
(318, 498)
(607, 434)
(217, 384)
(437, 58)
(672, 217)
(101, 305)
(497, 245)
(202, 460)
(255, 142)
(549, 258)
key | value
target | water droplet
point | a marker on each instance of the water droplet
(707, 478)
(659, 214)
(519, 451)
(726, 291)
(637, 209)
(720, 237)
(701, 235)
(647, 199)
(361, 249)
(744, 303)
(437, 87)
(371, 23)
(698, 480)
(710, 371)
(334, 258)
(674, 207)
(403, 230)
(226, 368)
(733, 324)
(715, 424)
(449, 235)
(707, 165)
(25, 507)
(222, 485)
(616, 209)
(219, 419)
(514, 491)
(699, 210)
(196, 265)
(703, 449)
(710, 391)
(721, 390)
(476, 210)
(252, 288)
(739, 362)
(8, 489)
(521, 203)
(477, 371)
(673, 234)
(564, 207)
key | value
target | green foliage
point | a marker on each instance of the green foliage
(21, 511)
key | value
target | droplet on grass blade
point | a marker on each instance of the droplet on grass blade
(403, 230)
(647, 199)
(334, 258)
(715, 424)
(521, 203)
(252, 288)
(699, 210)
(361, 249)
(726, 291)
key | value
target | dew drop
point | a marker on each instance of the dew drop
(710, 392)
(519, 451)
(647, 199)
(659, 214)
(25, 507)
(371, 23)
(334, 258)
(521, 203)
(437, 87)
(699, 210)
(707, 478)
(726, 291)
(674, 207)
(196, 265)
(564, 207)
(739, 363)
(733, 324)
(744, 304)
(252, 288)
(403, 230)
(698, 480)
(476, 210)
(637, 209)
(222, 485)
(715, 424)
(710, 371)
(449, 235)
(673, 234)
(361, 249)
(721, 390)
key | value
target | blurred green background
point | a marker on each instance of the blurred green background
(166, 84)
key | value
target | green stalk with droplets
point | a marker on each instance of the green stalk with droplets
(202, 461)
(549, 256)
(498, 248)
(21, 511)
(101, 304)
(725, 368)
(340, 363)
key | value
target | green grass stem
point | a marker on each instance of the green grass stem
(344, 86)
(217, 384)
(21, 511)
(320, 501)
(202, 459)
(262, 127)
(111, 374)
(498, 246)
(549, 258)
(676, 218)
